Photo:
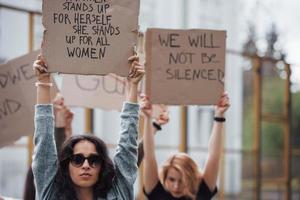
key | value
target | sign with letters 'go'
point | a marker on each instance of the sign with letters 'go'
(185, 67)
(89, 36)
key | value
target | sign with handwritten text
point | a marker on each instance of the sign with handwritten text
(17, 99)
(104, 92)
(185, 67)
(89, 36)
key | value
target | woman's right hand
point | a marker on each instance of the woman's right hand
(63, 115)
(146, 106)
(223, 105)
(41, 70)
(163, 117)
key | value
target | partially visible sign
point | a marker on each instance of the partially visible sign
(17, 99)
(104, 92)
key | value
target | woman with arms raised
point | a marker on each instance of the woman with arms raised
(180, 178)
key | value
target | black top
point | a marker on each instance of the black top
(60, 137)
(159, 193)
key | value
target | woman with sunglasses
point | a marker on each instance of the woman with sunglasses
(83, 169)
(180, 178)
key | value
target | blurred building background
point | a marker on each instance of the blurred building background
(267, 28)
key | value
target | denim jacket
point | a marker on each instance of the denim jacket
(45, 162)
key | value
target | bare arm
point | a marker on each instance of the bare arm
(150, 165)
(136, 73)
(162, 119)
(141, 148)
(215, 147)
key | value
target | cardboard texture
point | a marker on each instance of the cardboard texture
(185, 67)
(17, 99)
(89, 37)
(104, 92)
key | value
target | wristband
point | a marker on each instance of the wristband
(43, 84)
(156, 125)
(219, 119)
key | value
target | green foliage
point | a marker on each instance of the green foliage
(272, 103)
(296, 120)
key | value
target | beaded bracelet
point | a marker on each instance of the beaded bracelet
(43, 84)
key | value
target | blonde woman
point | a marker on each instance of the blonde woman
(180, 177)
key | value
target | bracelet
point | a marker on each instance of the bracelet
(43, 84)
(156, 125)
(219, 119)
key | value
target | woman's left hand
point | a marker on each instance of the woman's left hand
(146, 106)
(136, 72)
(222, 105)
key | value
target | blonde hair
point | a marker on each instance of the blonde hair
(188, 169)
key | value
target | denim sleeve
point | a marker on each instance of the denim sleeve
(126, 154)
(44, 165)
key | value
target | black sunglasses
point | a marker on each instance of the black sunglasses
(77, 160)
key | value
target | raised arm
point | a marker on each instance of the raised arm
(162, 119)
(126, 154)
(150, 165)
(44, 164)
(135, 75)
(43, 84)
(63, 121)
(211, 168)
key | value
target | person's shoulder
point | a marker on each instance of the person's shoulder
(157, 191)
(204, 192)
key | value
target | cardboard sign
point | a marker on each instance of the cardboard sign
(104, 92)
(185, 67)
(89, 37)
(17, 99)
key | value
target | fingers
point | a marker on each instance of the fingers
(69, 114)
(133, 58)
(143, 95)
(40, 67)
(136, 70)
(145, 102)
(224, 101)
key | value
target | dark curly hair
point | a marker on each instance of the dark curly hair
(106, 175)
(29, 187)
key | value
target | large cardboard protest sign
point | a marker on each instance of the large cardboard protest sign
(89, 37)
(17, 98)
(185, 67)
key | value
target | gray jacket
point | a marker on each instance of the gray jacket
(45, 162)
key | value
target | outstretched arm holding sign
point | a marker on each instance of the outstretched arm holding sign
(162, 119)
(211, 167)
